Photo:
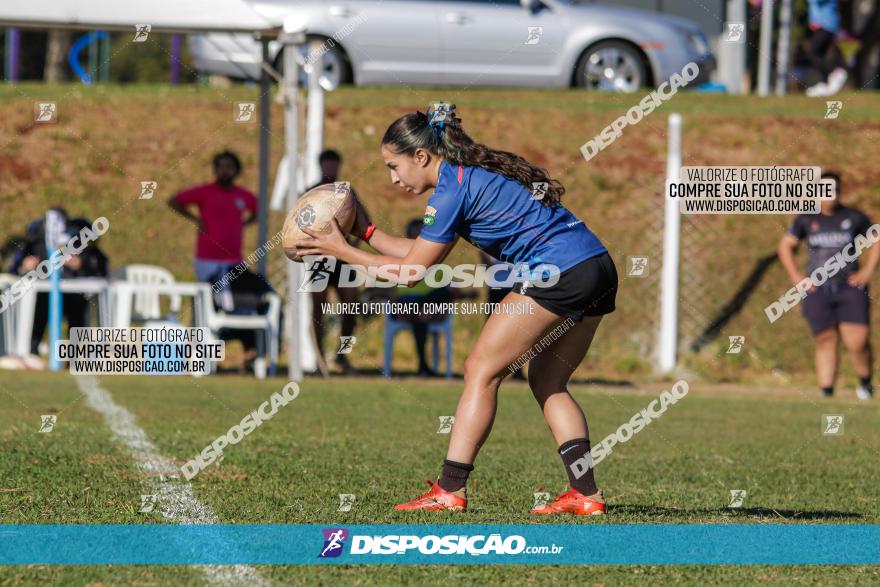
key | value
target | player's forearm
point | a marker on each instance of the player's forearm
(391, 263)
(182, 210)
(873, 259)
(387, 244)
(786, 258)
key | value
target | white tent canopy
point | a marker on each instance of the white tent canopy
(161, 15)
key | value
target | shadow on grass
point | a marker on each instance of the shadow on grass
(376, 372)
(733, 513)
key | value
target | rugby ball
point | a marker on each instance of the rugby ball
(315, 210)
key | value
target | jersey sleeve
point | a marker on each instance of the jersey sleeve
(190, 196)
(862, 224)
(443, 216)
(798, 228)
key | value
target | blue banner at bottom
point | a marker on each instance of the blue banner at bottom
(625, 544)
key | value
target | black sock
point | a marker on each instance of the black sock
(865, 381)
(828, 391)
(580, 476)
(454, 475)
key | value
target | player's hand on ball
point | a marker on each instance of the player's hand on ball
(332, 244)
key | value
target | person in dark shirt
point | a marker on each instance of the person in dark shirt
(824, 25)
(90, 262)
(839, 308)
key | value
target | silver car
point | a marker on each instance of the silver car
(541, 43)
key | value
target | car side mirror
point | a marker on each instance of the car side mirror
(531, 5)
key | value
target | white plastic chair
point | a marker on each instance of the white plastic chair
(268, 324)
(146, 303)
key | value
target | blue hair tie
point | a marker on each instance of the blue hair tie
(438, 125)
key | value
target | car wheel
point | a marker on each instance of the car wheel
(611, 66)
(335, 66)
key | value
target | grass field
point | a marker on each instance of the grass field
(378, 439)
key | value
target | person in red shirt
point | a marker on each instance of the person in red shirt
(224, 209)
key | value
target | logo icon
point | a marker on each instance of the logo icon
(833, 108)
(637, 266)
(142, 32)
(346, 343)
(334, 540)
(735, 32)
(542, 498)
(534, 37)
(832, 424)
(306, 217)
(539, 189)
(439, 112)
(47, 423)
(737, 497)
(318, 273)
(148, 504)
(341, 187)
(148, 190)
(846, 224)
(430, 213)
(244, 112)
(446, 423)
(45, 112)
(346, 501)
(736, 344)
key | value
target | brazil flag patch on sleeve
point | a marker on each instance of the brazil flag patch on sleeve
(429, 218)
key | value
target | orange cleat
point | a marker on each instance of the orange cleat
(436, 498)
(574, 502)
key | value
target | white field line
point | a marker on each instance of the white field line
(175, 499)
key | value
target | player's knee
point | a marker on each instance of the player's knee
(856, 346)
(478, 368)
(827, 338)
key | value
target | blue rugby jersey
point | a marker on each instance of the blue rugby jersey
(500, 216)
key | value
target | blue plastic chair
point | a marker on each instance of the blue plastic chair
(435, 329)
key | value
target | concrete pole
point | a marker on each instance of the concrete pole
(668, 337)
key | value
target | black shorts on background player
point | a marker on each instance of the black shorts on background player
(833, 303)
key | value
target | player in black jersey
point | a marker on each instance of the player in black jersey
(839, 308)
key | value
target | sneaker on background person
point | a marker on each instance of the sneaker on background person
(818, 90)
(836, 80)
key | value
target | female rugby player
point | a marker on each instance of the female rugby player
(484, 195)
